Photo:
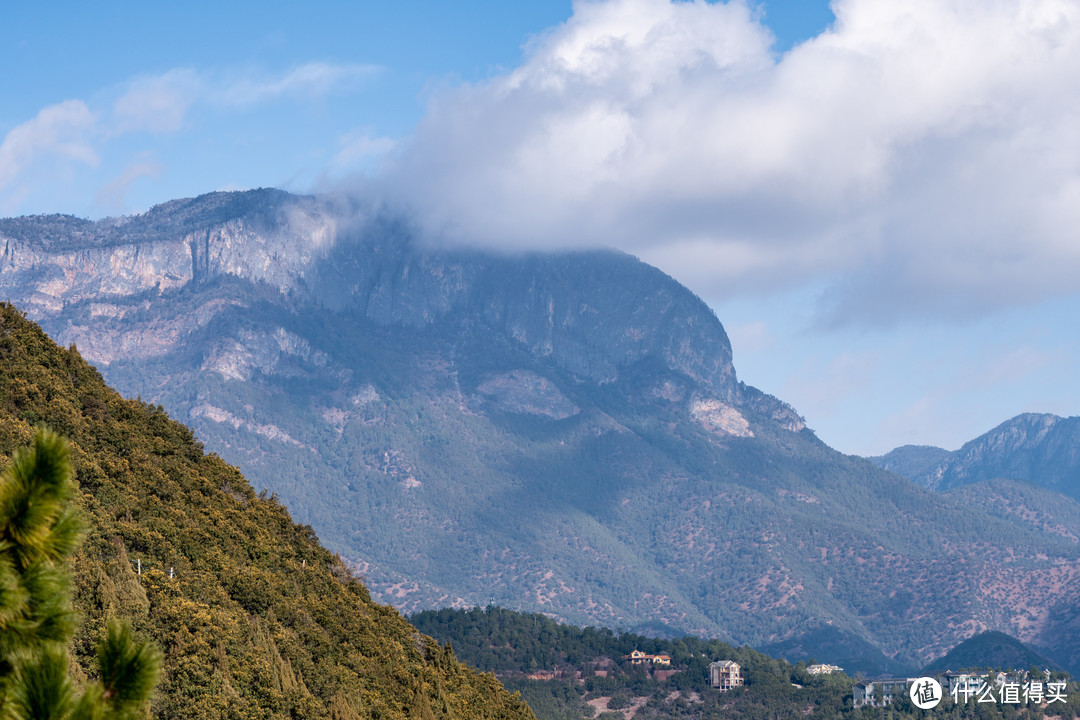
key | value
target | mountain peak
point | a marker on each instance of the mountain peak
(990, 650)
(1024, 430)
(1038, 448)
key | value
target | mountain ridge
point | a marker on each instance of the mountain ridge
(1039, 448)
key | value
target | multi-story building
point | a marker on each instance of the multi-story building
(725, 674)
(879, 693)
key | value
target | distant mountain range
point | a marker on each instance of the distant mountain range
(562, 433)
(1040, 449)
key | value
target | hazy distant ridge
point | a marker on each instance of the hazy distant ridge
(1040, 449)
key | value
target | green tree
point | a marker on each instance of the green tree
(39, 531)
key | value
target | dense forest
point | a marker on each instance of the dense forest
(571, 673)
(252, 616)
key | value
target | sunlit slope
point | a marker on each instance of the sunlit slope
(255, 618)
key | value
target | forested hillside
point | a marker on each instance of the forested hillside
(991, 650)
(583, 665)
(571, 673)
(254, 617)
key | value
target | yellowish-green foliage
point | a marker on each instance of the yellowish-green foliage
(254, 617)
(39, 531)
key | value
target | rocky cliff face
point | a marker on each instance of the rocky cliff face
(570, 309)
(115, 267)
(590, 313)
(563, 433)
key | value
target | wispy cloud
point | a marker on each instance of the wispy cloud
(922, 158)
(311, 80)
(62, 131)
(911, 425)
(38, 154)
(361, 148)
(1011, 365)
(157, 103)
(823, 384)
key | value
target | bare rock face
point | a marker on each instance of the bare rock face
(49, 265)
(719, 418)
(525, 392)
(238, 358)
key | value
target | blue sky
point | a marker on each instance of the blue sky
(877, 198)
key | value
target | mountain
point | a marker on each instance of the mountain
(254, 617)
(990, 650)
(919, 463)
(562, 433)
(1037, 448)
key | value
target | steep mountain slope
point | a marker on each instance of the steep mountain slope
(563, 433)
(254, 617)
(1038, 448)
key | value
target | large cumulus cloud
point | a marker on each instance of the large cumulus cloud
(919, 157)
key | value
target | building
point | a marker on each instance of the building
(543, 675)
(960, 684)
(640, 658)
(879, 693)
(820, 669)
(725, 674)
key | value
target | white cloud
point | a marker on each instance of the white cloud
(57, 132)
(38, 158)
(921, 157)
